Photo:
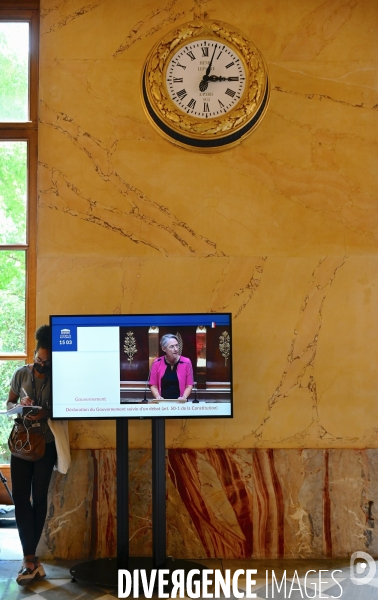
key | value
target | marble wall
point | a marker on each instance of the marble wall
(238, 503)
(281, 230)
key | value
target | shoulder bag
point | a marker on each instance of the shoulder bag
(27, 439)
(28, 443)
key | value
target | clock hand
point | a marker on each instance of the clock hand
(204, 81)
(220, 78)
(211, 62)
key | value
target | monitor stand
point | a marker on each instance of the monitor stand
(104, 571)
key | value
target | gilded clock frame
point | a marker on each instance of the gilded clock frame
(215, 133)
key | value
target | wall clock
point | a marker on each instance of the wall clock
(205, 86)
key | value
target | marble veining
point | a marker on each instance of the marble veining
(281, 230)
(141, 208)
(232, 276)
(311, 96)
(56, 17)
(298, 374)
(235, 503)
(156, 20)
(318, 28)
(140, 504)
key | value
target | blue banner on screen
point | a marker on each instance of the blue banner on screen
(64, 339)
(141, 366)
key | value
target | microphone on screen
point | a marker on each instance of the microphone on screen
(195, 401)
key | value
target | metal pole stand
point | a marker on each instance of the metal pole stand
(4, 480)
(104, 571)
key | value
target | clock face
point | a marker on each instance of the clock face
(205, 78)
(205, 86)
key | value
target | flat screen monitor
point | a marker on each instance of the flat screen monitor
(141, 366)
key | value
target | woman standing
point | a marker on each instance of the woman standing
(30, 480)
(171, 375)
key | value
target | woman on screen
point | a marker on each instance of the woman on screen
(30, 479)
(171, 376)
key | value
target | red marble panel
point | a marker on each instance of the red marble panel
(327, 537)
(104, 523)
(140, 503)
(221, 503)
(213, 490)
(268, 515)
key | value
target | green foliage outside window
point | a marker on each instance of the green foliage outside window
(12, 301)
(13, 179)
(14, 71)
(12, 329)
(14, 60)
(7, 369)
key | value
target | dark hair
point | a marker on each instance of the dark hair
(42, 335)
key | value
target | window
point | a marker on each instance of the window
(18, 193)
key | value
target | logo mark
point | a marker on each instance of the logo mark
(360, 567)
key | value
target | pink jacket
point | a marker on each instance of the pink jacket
(184, 373)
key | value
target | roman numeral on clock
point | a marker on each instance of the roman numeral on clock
(191, 55)
(178, 80)
(206, 107)
(181, 94)
(230, 65)
(230, 92)
(205, 51)
(192, 103)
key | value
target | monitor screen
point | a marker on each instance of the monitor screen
(141, 366)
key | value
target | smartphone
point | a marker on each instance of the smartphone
(30, 411)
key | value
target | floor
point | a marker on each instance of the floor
(302, 578)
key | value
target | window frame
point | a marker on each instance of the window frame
(26, 131)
